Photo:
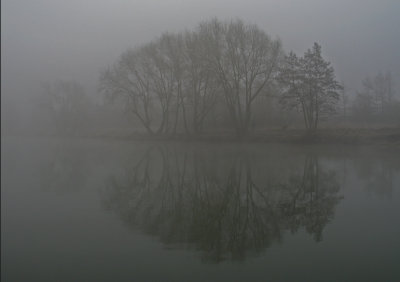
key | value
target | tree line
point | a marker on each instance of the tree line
(175, 81)
(376, 97)
(185, 82)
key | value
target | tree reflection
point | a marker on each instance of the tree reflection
(311, 199)
(224, 206)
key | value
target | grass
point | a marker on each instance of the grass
(354, 136)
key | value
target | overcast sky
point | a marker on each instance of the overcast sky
(45, 40)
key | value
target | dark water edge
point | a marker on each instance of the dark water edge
(385, 136)
(74, 210)
(339, 136)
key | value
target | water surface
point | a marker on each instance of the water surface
(91, 210)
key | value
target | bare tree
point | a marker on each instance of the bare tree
(150, 80)
(376, 95)
(129, 79)
(382, 88)
(67, 103)
(309, 84)
(245, 60)
(164, 83)
(201, 85)
(345, 100)
(175, 81)
(365, 103)
(169, 79)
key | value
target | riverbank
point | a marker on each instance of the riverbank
(351, 136)
(341, 136)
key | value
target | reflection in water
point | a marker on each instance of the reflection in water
(311, 198)
(226, 206)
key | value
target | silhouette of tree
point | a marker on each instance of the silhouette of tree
(67, 103)
(309, 84)
(245, 60)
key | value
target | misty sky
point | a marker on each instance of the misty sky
(46, 40)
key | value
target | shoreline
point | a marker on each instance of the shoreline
(339, 136)
(292, 136)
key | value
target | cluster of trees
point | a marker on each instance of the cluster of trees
(66, 104)
(376, 97)
(228, 74)
(179, 79)
(64, 107)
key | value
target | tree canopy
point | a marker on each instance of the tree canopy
(176, 79)
(309, 83)
(173, 83)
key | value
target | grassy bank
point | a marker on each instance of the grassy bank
(354, 136)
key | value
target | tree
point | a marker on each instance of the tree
(167, 78)
(345, 99)
(383, 90)
(67, 103)
(376, 94)
(158, 80)
(365, 102)
(129, 79)
(245, 61)
(309, 83)
(201, 85)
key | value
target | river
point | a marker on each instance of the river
(95, 210)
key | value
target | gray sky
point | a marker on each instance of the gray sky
(44, 40)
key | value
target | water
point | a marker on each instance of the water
(91, 210)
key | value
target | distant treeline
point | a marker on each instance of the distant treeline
(222, 76)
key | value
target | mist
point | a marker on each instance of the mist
(184, 140)
(56, 40)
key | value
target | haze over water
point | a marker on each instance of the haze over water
(90, 210)
(200, 140)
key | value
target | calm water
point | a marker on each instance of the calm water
(85, 210)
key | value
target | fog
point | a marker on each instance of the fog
(152, 140)
(45, 40)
